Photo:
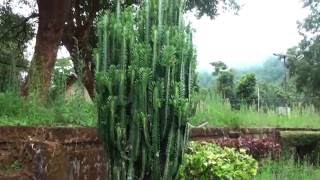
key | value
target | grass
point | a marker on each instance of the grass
(287, 169)
(14, 110)
(218, 113)
(17, 111)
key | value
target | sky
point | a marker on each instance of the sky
(261, 28)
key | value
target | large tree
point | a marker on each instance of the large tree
(72, 23)
(80, 39)
(52, 16)
(304, 59)
(225, 79)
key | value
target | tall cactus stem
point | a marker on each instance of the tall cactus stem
(145, 76)
(105, 45)
(160, 15)
(155, 135)
(167, 91)
(147, 28)
(167, 170)
(143, 163)
(155, 52)
(118, 10)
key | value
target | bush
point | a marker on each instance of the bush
(210, 161)
(257, 147)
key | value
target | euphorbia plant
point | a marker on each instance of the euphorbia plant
(145, 82)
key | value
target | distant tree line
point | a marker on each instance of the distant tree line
(243, 86)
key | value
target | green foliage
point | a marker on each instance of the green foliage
(300, 138)
(16, 165)
(15, 31)
(63, 67)
(246, 89)
(145, 84)
(272, 96)
(75, 111)
(209, 161)
(224, 85)
(303, 60)
(312, 22)
(13, 43)
(63, 77)
(306, 71)
(269, 78)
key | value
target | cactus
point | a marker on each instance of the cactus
(145, 80)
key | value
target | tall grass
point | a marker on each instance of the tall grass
(287, 169)
(59, 110)
(16, 110)
(218, 113)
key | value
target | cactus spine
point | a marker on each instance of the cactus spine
(145, 71)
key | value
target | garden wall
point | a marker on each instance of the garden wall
(50, 154)
(77, 154)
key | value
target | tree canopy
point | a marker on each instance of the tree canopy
(246, 88)
(304, 59)
(12, 46)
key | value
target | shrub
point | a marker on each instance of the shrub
(210, 161)
(257, 147)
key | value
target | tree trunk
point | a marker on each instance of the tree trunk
(52, 17)
(77, 39)
(88, 71)
(82, 60)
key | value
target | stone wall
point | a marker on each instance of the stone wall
(77, 153)
(51, 153)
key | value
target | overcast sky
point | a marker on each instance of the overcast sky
(263, 27)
